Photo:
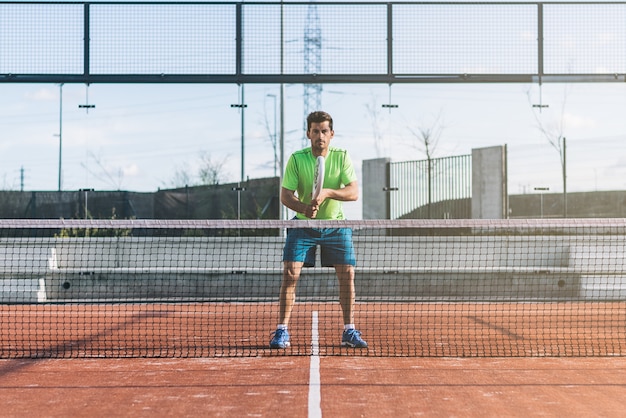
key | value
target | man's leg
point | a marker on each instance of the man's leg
(351, 337)
(291, 274)
(345, 275)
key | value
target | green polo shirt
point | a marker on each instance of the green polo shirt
(300, 171)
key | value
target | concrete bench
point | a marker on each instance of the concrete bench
(602, 263)
(24, 265)
(234, 267)
(165, 267)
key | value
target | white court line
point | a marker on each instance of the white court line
(315, 396)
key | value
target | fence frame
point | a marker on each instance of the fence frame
(241, 22)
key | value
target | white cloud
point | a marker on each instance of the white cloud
(578, 122)
(130, 170)
(43, 94)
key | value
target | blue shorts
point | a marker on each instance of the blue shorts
(335, 243)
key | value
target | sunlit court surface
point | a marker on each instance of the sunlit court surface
(349, 386)
(455, 379)
(460, 360)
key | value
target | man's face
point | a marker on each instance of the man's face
(320, 135)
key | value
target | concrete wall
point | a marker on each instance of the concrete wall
(601, 204)
(375, 181)
(489, 183)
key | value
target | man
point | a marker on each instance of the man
(340, 184)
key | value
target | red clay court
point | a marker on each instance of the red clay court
(350, 386)
(461, 329)
(467, 359)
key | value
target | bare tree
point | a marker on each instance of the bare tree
(428, 137)
(181, 177)
(555, 135)
(272, 135)
(427, 141)
(211, 172)
(373, 113)
(5, 184)
(105, 174)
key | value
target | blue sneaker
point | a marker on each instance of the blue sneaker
(280, 339)
(352, 338)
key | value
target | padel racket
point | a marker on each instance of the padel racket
(318, 179)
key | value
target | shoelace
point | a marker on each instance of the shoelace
(353, 334)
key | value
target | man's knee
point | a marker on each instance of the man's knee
(291, 272)
(344, 269)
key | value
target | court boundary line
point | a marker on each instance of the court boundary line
(315, 397)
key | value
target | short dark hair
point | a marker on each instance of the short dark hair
(318, 117)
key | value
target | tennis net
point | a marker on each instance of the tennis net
(177, 288)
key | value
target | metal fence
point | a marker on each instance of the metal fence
(310, 42)
(253, 199)
(437, 188)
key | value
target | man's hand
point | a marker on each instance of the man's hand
(315, 204)
(311, 211)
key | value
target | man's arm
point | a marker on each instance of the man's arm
(348, 193)
(290, 200)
